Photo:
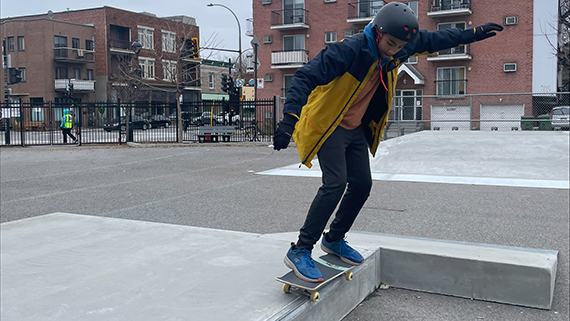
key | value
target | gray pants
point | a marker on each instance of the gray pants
(344, 162)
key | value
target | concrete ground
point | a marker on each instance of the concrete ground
(216, 186)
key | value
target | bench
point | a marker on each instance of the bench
(212, 133)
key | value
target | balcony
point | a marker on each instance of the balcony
(289, 59)
(78, 85)
(73, 55)
(449, 8)
(121, 46)
(249, 27)
(362, 12)
(289, 19)
(457, 53)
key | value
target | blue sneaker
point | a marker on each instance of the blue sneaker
(341, 248)
(301, 262)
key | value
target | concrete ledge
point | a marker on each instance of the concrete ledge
(512, 275)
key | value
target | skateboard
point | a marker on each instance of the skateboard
(331, 266)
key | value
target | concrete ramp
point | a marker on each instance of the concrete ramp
(74, 267)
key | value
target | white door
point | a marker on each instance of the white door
(447, 117)
(504, 117)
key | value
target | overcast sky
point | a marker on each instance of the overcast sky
(215, 22)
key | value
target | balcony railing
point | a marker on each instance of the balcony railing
(450, 88)
(448, 8)
(289, 19)
(457, 53)
(73, 55)
(78, 85)
(289, 59)
(120, 44)
(363, 11)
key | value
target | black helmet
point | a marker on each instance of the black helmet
(398, 20)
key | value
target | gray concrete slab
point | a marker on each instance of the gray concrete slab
(522, 159)
(74, 267)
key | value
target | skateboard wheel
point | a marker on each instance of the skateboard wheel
(286, 288)
(315, 296)
(349, 276)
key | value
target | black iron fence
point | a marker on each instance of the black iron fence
(106, 122)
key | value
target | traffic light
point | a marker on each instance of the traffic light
(225, 82)
(194, 48)
(15, 75)
(231, 86)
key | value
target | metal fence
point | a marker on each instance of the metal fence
(413, 112)
(106, 122)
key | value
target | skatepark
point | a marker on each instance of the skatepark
(75, 264)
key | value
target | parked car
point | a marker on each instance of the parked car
(226, 119)
(159, 121)
(560, 117)
(137, 122)
(205, 119)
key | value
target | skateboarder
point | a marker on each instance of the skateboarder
(337, 108)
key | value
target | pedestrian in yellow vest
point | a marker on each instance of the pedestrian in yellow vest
(66, 125)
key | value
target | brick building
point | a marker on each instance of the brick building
(94, 46)
(435, 87)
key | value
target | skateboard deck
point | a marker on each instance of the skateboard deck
(331, 266)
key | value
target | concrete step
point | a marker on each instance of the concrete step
(74, 267)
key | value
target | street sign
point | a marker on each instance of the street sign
(254, 42)
(239, 82)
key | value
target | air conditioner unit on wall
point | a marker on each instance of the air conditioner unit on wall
(268, 39)
(512, 20)
(510, 67)
(265, 1)
(268, 77)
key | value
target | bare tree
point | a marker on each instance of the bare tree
(561, 48)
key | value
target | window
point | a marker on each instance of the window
(10, 44)
(88, 44)
(449, 25)
(212, 81)
(367, 9)
(412, 60)
(330, 36)
(76, 73)
(292, 43)
(286, 84)
(451, 81)
(75, 43)
(168, 70)
(146, 37)
(60, 42)
(147, 68)
(90, 75)
(21, 44)
(348, 33)
(293, 11)
(168, 41)
(61, 73)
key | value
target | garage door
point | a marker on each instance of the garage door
(504, 117)
(447, 117)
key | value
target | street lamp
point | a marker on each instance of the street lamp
(239, 30)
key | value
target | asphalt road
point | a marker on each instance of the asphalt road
(215, 186)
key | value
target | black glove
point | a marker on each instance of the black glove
(485, 31)
(284, 132)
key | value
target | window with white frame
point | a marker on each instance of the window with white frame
(330, 36)
(349, 32)
(168, 41)
(412, 60)
(146, 37)
(451, 81)
(450, 25)
(169, 70)
(211, 80)
(147, 68)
